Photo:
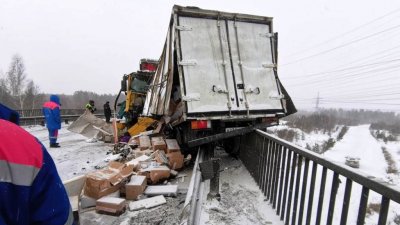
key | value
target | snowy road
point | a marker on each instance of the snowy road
(358, 142)
(76, 156)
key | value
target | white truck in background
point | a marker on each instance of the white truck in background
(217, 77)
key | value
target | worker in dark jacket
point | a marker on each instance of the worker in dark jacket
(31, 191)
(9, 114)
(107, 111)
(90, 106)
(51, 112)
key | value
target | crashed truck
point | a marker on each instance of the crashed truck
(217, 78)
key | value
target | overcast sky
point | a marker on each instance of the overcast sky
(348, 51)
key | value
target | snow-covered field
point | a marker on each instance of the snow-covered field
(358, 143)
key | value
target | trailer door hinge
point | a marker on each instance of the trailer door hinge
(275, 95)
(184, 28)
(188, 63)
(190, 97)
(269, 65)
(267, 35)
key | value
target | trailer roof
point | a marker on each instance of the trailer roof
(192, 11)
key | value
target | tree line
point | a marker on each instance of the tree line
(19, 92)
(327, 119)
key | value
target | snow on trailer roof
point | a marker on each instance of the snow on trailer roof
(196, 11)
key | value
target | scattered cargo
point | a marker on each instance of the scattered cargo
(210, 86)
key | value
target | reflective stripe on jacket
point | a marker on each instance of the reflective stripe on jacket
(31, 191)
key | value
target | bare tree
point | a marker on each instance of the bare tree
(5, 96)
(32, 95)
(16, 78)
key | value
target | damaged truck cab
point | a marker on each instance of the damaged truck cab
(217, 77)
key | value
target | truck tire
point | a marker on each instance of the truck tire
(232, 145)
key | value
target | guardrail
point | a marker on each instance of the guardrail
(35, 116)
(300, 196)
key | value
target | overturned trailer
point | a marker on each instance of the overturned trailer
(217, 77)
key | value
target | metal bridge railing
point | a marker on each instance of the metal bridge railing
(296, 183)
(35, 116)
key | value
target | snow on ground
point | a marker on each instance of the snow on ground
(242, 202)
(359, 143)
(303, 139)
(75, 156)
(240, 194)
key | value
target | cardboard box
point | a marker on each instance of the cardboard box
(172, 145)
(157, 138)
(135, 187)
(161, 157)
(159, 145)
(115, 165)
(155, 174)
(108, 180)
(175, 160)
(136, 161)
(111, 205)
(144, 142)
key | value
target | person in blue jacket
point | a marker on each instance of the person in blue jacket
(31, 191)
(9, 114)
(51, 112)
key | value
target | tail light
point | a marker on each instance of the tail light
(201, 124)
(270, 120)
(148, 66)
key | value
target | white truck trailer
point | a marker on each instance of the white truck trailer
(217, 77)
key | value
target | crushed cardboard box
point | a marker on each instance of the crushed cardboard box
(161, 157)
(175, 160)
(136, 161)
(108, 180)
(172, 145)
(144, 142)
(155, 174)
(158, 143)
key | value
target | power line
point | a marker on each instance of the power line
(343, 45)
(341, 78)
(396, 53)
(344, 69)
(348, 32)
(362, 100)
(362, 95)
(355, 102)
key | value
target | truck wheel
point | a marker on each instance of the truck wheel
(232, 145)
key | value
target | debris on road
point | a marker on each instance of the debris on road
(165, 190)
(149, 160)
(111, 205)
(147, 203)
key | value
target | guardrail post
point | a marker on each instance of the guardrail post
(214, 182)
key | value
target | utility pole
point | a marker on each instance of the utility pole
(317, 102)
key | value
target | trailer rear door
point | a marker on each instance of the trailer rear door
(227, 65)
